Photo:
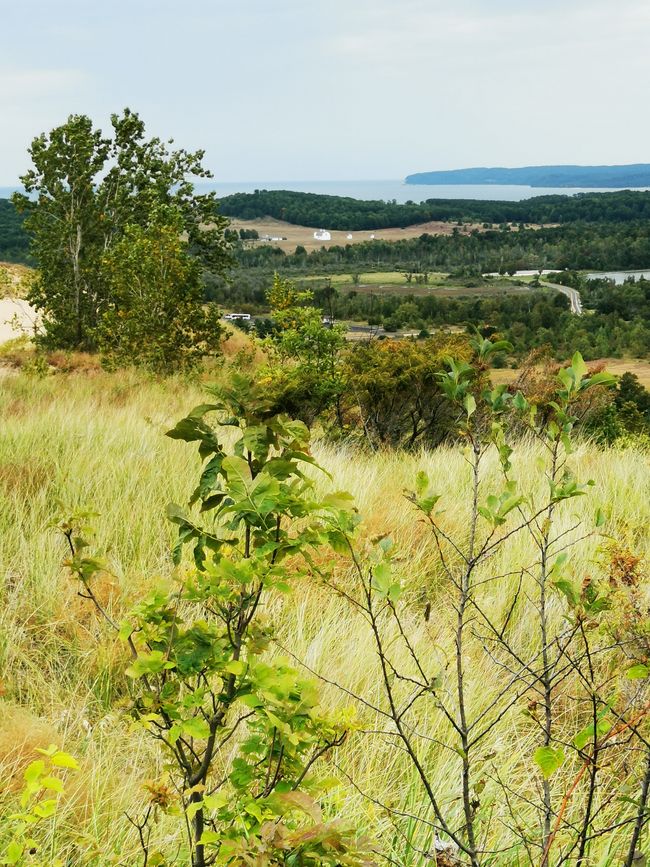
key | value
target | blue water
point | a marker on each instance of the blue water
(397, 190)
(394, 190)
(619, 277)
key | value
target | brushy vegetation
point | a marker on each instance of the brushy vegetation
(73, 442)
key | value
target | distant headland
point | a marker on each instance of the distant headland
(587, 177)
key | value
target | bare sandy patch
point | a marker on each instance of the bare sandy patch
(17, 317)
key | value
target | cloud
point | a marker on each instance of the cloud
(22, 84)
(416, 28)
(368, 88)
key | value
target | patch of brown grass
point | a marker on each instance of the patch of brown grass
(21, 734)
(25, 478)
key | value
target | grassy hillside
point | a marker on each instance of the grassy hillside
(96, 442)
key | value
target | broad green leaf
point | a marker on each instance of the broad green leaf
(64, 760)
(548, 759)
(196, 727)
(13, 852)
(637, 672)
(34, 771)
(236, 666)
(470, 405)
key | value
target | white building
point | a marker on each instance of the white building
(322, 235)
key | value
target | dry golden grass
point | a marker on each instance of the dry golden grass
(304, 235)
(617, 366)
(73, 441)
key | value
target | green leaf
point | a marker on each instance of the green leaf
(567, 588)
(216, 801)
(637, 672)
(148, 663)
(64, 760)
(381, 578)
(13, 852)
(52, 783)
(548, 759)
(251, 700)
(470, 405)
(236, 666)
(602, 378)
(34, 771)
(45, 809)
(578, 366)
(519, 402)
(421, 483)
(196, 727)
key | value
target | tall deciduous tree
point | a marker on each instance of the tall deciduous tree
(82, 193)
(155, 309)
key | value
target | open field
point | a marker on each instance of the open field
(396, 283)
(96, 442)
(618, 366)
(304, 235)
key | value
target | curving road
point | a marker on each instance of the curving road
(572, 294)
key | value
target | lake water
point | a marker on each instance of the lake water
(389, 190)
(386, 190)
(619, 277)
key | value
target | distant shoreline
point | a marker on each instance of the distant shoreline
(538, 177)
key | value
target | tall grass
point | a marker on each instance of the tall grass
(77, 442)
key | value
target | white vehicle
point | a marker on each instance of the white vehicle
(231, 317)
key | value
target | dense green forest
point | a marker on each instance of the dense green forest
(598, 231)
(338, 212)
(14, 241)
(599, 246)
(637, 175)
(616, 324)
(617, 320)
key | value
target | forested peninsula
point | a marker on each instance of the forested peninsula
(637, 175)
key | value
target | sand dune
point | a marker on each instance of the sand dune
(16, 317)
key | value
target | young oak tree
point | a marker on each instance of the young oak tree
(82, 192)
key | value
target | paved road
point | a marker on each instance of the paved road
(572, 294)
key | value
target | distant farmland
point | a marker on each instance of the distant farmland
(304, 235)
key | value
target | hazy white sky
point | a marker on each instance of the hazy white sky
(337, 89)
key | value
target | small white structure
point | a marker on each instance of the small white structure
(322, 235)
(349, 236)
(372, 237)
(232, 317)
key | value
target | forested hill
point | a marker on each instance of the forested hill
(346, 214)
(336, 212)
(14, 241)
(637, 175)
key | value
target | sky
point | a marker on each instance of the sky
(336, 89)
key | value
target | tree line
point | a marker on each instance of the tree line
(577, 246)
(348, 214)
